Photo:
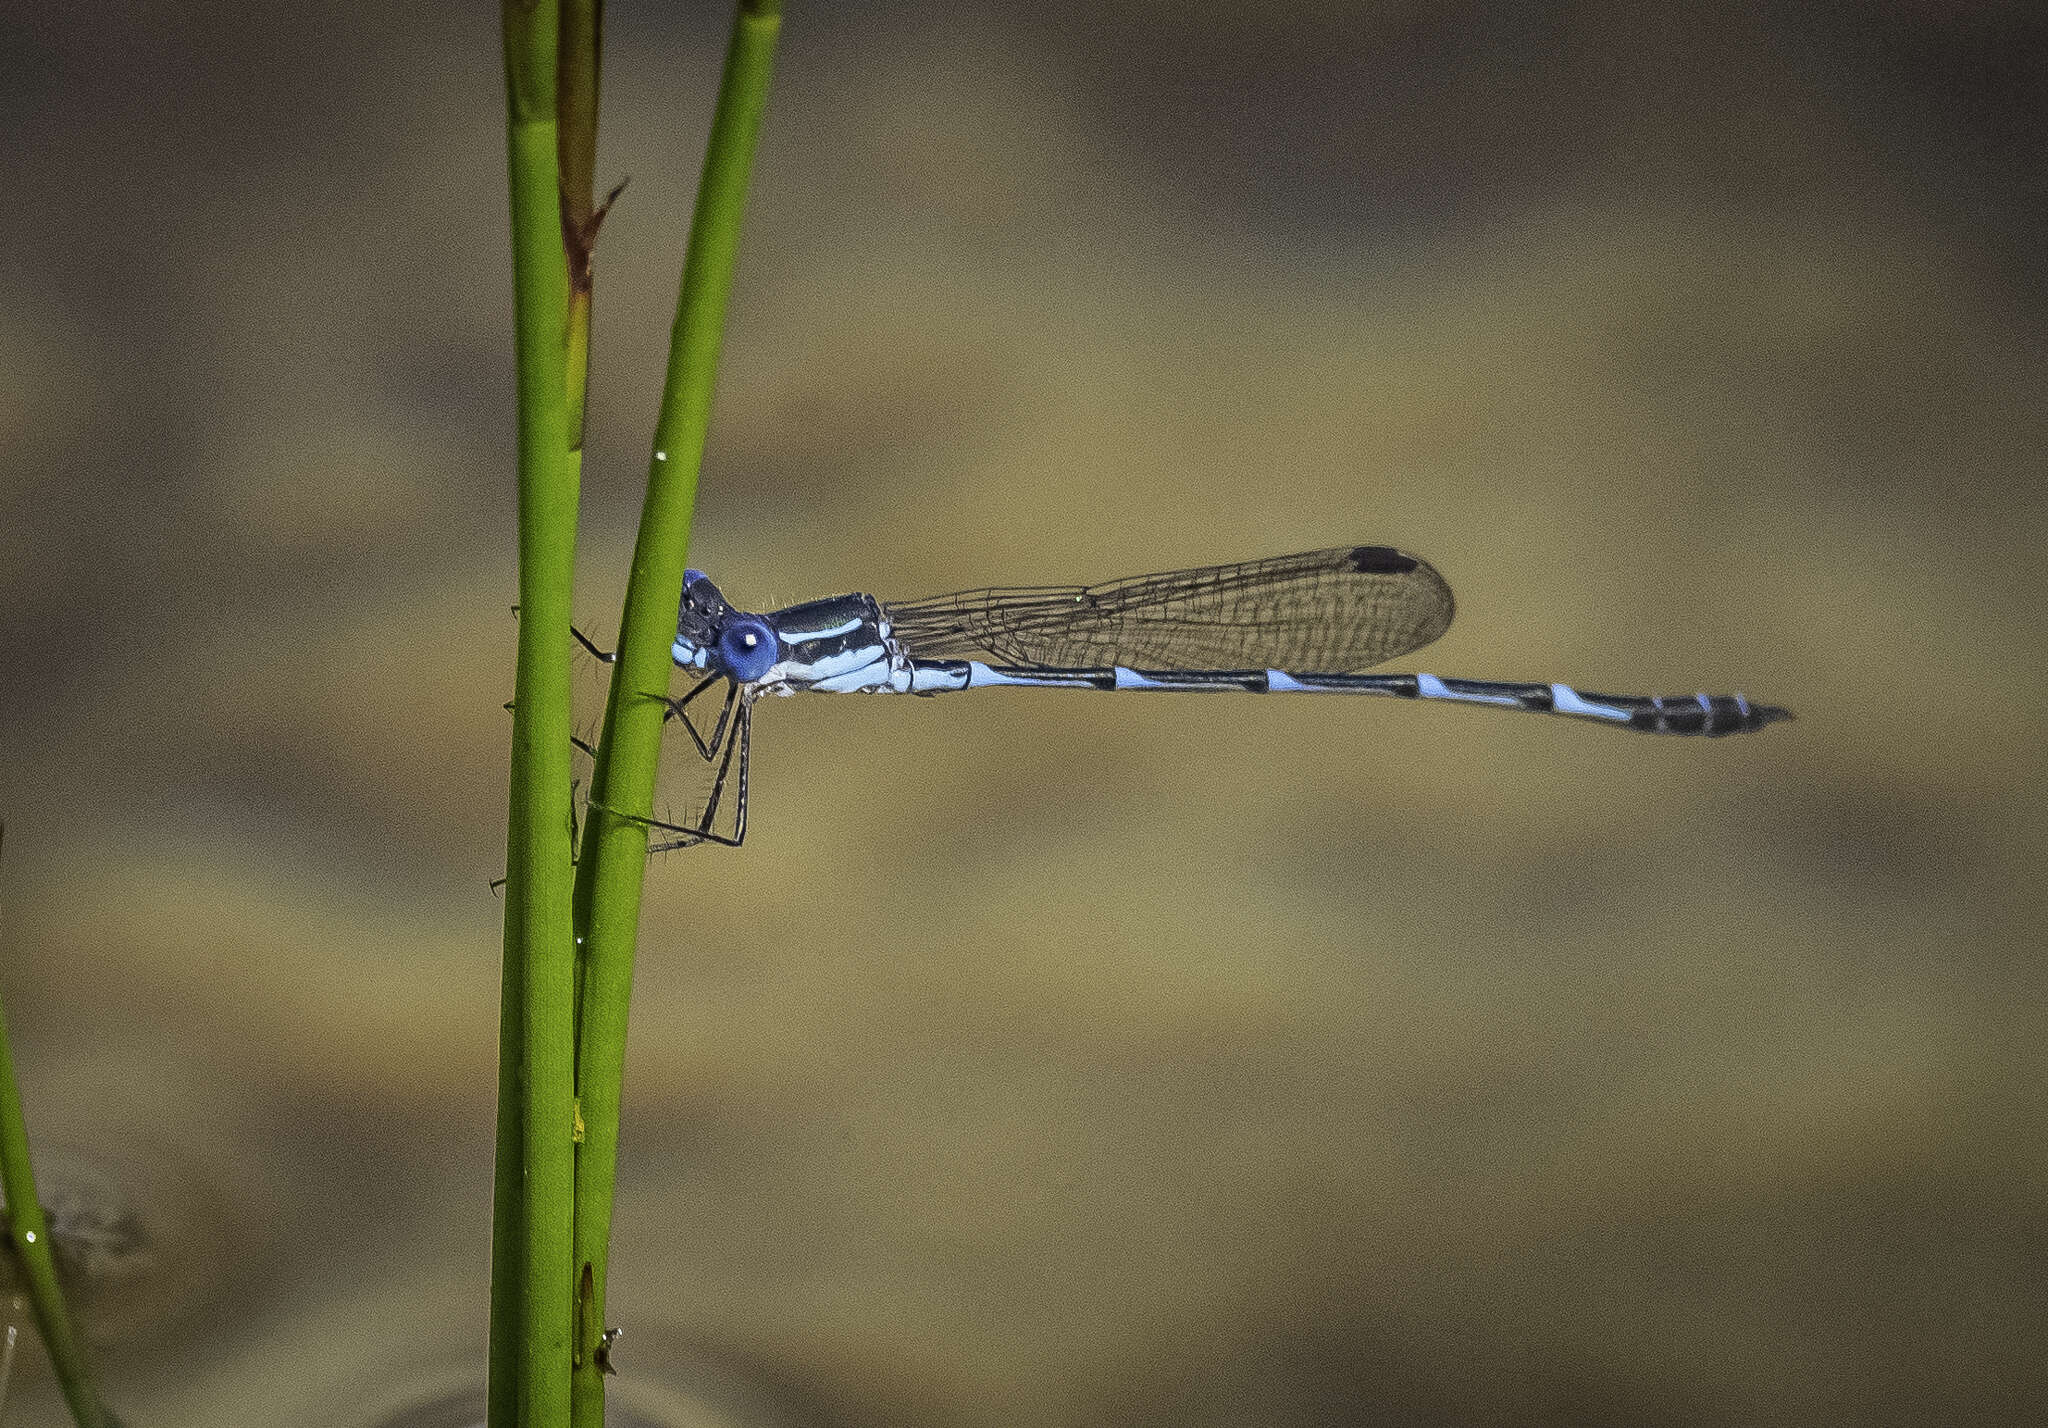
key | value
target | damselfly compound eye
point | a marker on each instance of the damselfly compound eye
(747, 647)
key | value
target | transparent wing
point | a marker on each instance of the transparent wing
(1322, 612)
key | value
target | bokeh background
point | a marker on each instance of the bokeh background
(1043, 1059)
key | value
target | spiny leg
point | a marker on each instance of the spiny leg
(739, 813)
(589, 750)
(740, 746)
(726, 745)
(601, 656)
(678, 709)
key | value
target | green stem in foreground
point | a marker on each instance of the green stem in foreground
(614, 855)
(30, 1231)
(531, 1287)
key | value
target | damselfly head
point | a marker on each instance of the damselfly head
(699, 619)
(711, 634)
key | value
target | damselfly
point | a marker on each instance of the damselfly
(1295, 624)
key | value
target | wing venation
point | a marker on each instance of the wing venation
(1322, 612)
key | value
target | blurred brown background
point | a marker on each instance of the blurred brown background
(1045, 1059)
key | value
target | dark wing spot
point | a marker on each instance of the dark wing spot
(1379, 560)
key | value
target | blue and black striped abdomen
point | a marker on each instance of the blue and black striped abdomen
(1699, 714)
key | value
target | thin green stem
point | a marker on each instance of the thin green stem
(30, 1231)
(614, 854)
(576, 73)
(531, 1282)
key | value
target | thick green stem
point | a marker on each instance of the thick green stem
(531, 1281)
(613, 860)
(30, 1231)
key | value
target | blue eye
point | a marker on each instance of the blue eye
(747, 647)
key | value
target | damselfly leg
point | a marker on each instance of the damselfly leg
(725, 748)
(725, 744)
(679, 710)
(737, 748)
(601, 656)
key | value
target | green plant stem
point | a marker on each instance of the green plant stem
(30, 1231)
(576, 71)
(614, 855)
(531, 1286)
